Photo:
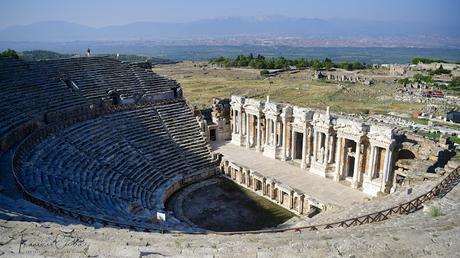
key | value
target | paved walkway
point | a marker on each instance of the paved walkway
(324, 190)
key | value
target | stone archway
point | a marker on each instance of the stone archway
(268, 189)
(406, 154)
(296, 203)
(275, 194)
(404, 163)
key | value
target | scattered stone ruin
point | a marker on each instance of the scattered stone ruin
(215, 121)
(419, 158)
(340, 77)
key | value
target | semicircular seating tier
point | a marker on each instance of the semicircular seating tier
(115, 167)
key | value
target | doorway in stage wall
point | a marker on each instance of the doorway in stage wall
(212, 135)
(298, 145)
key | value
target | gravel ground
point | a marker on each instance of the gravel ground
(417, 235)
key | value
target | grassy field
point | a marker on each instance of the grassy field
(201, 84)
(226, 206)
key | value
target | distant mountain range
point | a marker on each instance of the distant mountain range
(272, 27)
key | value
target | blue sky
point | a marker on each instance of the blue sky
(99, 13)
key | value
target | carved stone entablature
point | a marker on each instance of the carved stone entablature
(253, 106)
(302, 115)
(272, 109)
(350, 129)
(286, 113)
(300, 127)
(237, 102)
(322, 122)
(381, 136)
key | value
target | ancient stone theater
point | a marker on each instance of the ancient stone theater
(104, 141)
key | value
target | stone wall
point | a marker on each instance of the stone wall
(271, 189)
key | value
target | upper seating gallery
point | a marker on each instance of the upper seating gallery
(31, 88)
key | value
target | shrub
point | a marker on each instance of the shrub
(440, 71)
(264, 72)
(435, 211)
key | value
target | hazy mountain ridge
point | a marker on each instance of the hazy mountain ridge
(276, 26)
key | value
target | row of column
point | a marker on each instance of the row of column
(274, 128)
(371, 171)
(241, 126)
(320, 147)
(323, 154)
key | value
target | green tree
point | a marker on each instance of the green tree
(425, 60)
(316, 65)
(423, 78)
(454, 84)
(9, 53)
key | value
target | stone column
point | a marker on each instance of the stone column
(264, 187)
(304, 149)
(386, 180)
(326, 149)
(315, 144)
(301, 203)
(385, 165)
(248, 178)
(243, 124)
(275, 129)
(356, 166)
(271, 191)
(283, 151)
(371, 165)
(331, 149)
(338, 159)
(248, 143)
(259, 134)
(309, 147)
(240, 122)
(267, 135)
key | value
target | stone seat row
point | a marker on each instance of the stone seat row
(36, 88)
(82, 172)
(91, 73)
(70, 163)
(101, 167)
(180, 126)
